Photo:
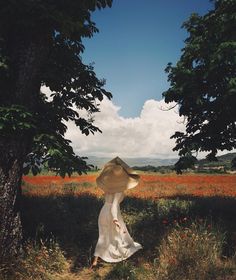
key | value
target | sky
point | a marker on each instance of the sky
(136, 41)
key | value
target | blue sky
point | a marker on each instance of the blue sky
(137, 39)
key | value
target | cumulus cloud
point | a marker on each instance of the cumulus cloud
(147, 135)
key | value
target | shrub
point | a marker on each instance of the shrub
(122, 271)
(40, 261)
(190, 253)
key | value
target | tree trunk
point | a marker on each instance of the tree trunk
(26, 61)
(11, 162)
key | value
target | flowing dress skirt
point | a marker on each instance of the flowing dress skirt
(114, 244)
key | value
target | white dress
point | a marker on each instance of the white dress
(114, 244)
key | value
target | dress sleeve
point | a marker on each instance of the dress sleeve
(115, 204)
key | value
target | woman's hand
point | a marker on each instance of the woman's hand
(116, 223)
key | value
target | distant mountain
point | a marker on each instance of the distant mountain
(224, 160)
(226, 157)
(142, 161)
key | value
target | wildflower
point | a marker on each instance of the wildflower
(165, 222)
(173, 260)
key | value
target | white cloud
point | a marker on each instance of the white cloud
(145, 136)
(47, 92)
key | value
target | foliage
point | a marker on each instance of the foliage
(16, 120)
(122, 271)
(203, 82)
(149, 168)
(41, 44)
(233, 163)
(185, 162)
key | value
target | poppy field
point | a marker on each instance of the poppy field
(150, 187)
(185, 223)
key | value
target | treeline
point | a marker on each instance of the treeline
(223, 164)
(170, 169)
(149, 168)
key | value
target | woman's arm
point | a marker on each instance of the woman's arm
(114, 208)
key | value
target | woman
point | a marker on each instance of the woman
(114, 243)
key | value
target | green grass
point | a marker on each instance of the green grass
(182, 238)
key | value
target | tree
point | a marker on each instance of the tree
(233, 164)
(203, 83)
(41, 44)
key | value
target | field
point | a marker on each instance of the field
(185, 223)
(152, 186)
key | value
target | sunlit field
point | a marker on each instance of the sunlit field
(150, 187)
(186, 224)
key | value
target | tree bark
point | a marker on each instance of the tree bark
(11, 163)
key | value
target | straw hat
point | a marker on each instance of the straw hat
(117, 176)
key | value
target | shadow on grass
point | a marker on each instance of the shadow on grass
(72, 220)
(220, 211)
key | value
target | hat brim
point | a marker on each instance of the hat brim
(114, 188)
(117, 176)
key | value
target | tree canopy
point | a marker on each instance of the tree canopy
(203, 83)
(41, 44)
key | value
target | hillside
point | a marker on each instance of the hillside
(144, 161)
(153, 164)
(224, 160)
